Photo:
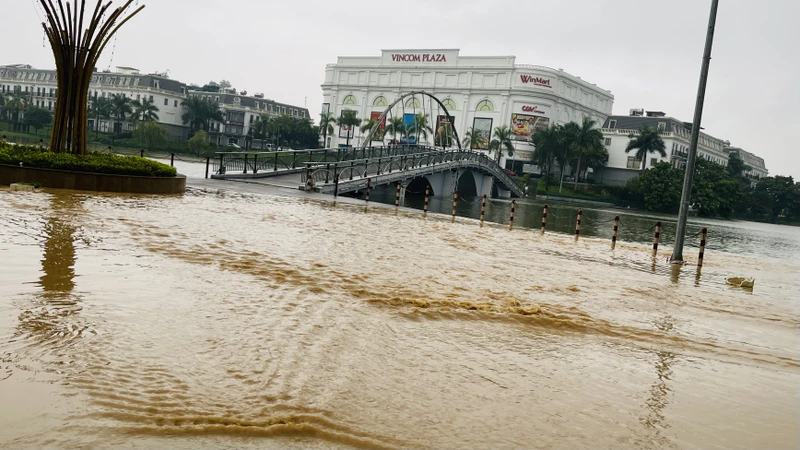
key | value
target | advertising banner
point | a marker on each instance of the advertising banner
(408, 121)
(483, 126)
(444, 131)
(523, 126)
(326, 108)
(379, 133)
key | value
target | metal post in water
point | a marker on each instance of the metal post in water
(455, 205)
(172, 159)
(544, 218)
(397, 197)
(369, 185)
(578, 224)
(655, 238)
(245, 163)
(425, 208)
(483, 209)
(336, 185)
(683, 212)
(255, 163)
(141, 153)
(614, 236)
(511, 221)
(275, 168)
(309, 175)
(703, 236)
(208, 163)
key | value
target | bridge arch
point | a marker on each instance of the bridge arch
(382, 117)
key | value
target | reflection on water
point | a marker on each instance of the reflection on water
(222, 319)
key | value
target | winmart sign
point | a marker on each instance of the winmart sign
(418, 57)
(538, 81)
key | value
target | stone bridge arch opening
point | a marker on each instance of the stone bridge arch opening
(467, 186)
(417, 186)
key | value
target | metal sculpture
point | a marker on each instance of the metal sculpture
(76, 50)
(380, 119)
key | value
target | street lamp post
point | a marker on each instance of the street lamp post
(680, 234)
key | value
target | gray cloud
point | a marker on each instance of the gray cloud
(647, 53)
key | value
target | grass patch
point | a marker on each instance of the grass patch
(93, 162)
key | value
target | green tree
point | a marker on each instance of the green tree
(144, 111)
(37, 118)
(199, 144)
(502, 141)
(367, 126)
(586, 140)
(98, 110)
(349, 119)
(546, 146)
(564, 151)
(473, 139)
(646, 142)
(121, 107)
(326, 123)
(420, 127)
(396, 126)
(198, 113)
(714, 191)
(772, 199)
(16, 103)
(151, 134)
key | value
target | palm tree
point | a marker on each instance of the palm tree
(546, 144)
(144, 111)
(211, 112)
(100, 109)
(349, 119)
(17, 102)
(420, 127)
(193, 113)
(121, 106)
(367, 126)
(473, 139)
(326, 123)
(396, 126)
(586, 138)
(647, 141)
(502, 140)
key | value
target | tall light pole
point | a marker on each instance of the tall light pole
(680, 234)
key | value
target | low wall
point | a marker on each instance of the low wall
(84, 181)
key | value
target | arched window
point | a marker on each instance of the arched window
(449, 104)
(350, 100)
(413, 102)
(380, 101)
(485, 105)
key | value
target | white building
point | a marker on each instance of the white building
(40, 87)
(756, 168)
(483, 92)
(676, 134)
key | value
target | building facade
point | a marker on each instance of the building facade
(755, 166)
(480, 92)
(676, 134)
(241, 113)
(39, 87)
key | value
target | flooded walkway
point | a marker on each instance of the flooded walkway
(262, 317)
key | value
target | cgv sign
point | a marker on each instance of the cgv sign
(418, 57)
(532, 109)
(538, 81)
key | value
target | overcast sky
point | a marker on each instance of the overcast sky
(647, 53)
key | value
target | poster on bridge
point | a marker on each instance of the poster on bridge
(408, 121)
(444, 131)
(380, 132)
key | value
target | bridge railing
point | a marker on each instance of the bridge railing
(383, 167)
(294, 160)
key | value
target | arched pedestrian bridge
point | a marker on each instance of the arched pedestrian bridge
(444, 170)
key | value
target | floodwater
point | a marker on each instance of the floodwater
(225, 320)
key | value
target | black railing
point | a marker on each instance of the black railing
(286, 161)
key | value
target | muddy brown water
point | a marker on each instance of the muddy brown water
(225, 320)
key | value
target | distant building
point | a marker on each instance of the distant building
(241, 113)
(676, 134)
(756, 169)
(479, 92)
(40, 87)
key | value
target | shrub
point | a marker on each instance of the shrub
(541, 187)
(93, 162)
